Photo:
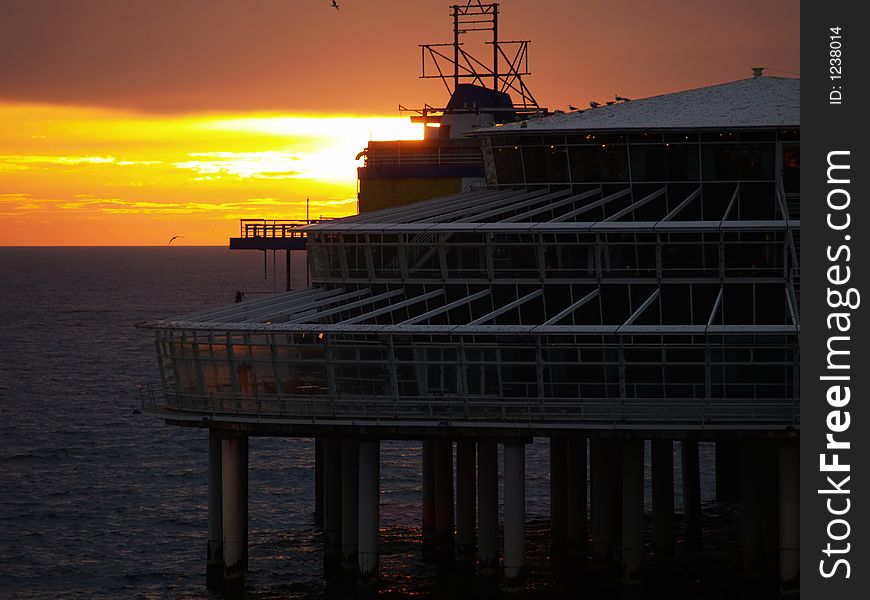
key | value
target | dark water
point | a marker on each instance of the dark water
(100, 501)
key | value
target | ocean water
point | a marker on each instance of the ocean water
(101, 501)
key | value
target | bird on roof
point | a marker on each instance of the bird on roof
(570, 107)
(619, 98)
(173, 238)
(335, 5)
(594, 105)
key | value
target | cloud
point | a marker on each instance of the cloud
(18, 204)
(19, 161)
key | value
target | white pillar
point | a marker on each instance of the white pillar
(514, 508)
(632, 510)
(234, 484)
(214, 553)
(487, 505)
(789, 516)
(331, 506)
(466, 500)
(349, 502)
(663, 497)
(369, 507)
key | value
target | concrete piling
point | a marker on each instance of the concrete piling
(349, 503)
(369, 508)
(466, 501)
(214, 553)
(487, 505)
(234, 522)
(514, 509)
(331, 506)
(632, 510)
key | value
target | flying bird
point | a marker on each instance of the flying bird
(173, 238)
(594, 105)
(335, 5)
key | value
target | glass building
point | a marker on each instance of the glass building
(628, 265)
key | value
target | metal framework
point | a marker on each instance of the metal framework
(450, 62)
(608, 306)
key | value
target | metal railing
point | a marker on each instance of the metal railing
(438, 410)
(275, 228)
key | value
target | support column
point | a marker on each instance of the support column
(605, 498)
(789, 517)
(514, 509)
(767, 484)
(750, 543)
(576, 504)
(349, 503)
(369, 508)
(487, 505)
(444, 521)
(558, 496)
(288, 269)
(632, 510)
(318, 480)
(428, 499)
(331, 507)
(691, 493)
(214, 572)
(727, 471)
(466, 500)
(234, 522)
(663, 498)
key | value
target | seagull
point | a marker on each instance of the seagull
(173, 238)
(572, 107)
(594, 105)
(619, 98)
(335, 5)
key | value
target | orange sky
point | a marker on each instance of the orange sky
(131, 122)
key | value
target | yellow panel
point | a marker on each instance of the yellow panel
(375, 194)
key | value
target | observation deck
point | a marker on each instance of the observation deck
(271, 234)
(613, 307)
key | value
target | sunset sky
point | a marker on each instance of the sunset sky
(127, 122)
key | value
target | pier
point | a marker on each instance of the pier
(629, 274)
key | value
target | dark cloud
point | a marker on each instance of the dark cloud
(303, 56)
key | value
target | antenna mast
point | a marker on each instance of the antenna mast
(463, 67)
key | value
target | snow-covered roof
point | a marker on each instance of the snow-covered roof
(756, 102)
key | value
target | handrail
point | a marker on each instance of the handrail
(275, 228)
(702, 412)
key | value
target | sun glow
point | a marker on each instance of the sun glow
(76, 176)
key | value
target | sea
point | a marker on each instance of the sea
(101, 500)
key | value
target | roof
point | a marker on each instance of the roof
(756, 102)
(616, 207)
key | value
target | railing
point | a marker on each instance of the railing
(440, 410)
(377, 157)
(275, 228)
